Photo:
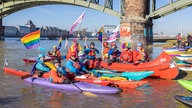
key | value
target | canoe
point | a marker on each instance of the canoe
(163, 66)
(117, 82)
(185, 100)
(130, 75)
(187, 84)
(87, 87)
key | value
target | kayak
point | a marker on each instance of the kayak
(34, 59)
(87, 87)
(130, 75)
(185, 100)
(184, 58)
(116, 82)
(47, 58)
(18, 72)
(163, 66)
(187, 84)
(173, 55)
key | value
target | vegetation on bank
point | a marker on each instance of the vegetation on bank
(167, 44)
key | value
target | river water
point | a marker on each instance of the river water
(14, 92)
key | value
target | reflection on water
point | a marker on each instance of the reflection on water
(16, 93)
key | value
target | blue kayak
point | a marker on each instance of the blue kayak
(129, 75)
(185, 100)
(87, 87)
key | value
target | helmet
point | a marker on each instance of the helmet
(57, 61)
(113, 44)
(73, 54)
(54, 46)
(139, 44)
(105, 44)
(41, 55)
(92, 43)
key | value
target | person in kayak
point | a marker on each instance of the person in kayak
(139, 54)
(40, 65)
(60, 75)
(55, 52)
(113, 53)
(75, 47)
(92, 51)
(127, 55)
(75, 66)
(105, 51)
(179, 40)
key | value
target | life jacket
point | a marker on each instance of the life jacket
(125, 56)
(92, 52)
(179, 38)
(105, 53)
(114, 55)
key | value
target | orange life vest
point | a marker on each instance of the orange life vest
(92, 52)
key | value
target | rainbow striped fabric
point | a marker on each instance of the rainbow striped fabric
(100, 34)
(31, 40)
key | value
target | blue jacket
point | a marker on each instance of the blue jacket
(112, 50)
(87, 50)
(42, 67)
(62, 70)
(69, 65)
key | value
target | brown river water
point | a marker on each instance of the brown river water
(14, 92)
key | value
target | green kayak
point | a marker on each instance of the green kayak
(186, 84)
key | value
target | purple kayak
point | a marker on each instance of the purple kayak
(87, 87)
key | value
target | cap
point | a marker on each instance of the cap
(41, 55)
(92, 43)
(57, 61)
(139, 44)
(54, 46)
(73, 54)
(105, 44)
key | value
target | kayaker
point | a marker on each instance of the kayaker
(139, 54)
(55, 52)
(41, 66)
(59, 76)
(92, 51)
(189, 39)
(113, 53)
(75, 66)
(179, 40)
(74, 48)
(127, 55)
(105, 51)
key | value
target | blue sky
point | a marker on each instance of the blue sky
(63, 16)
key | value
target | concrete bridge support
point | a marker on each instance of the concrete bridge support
(134, 27)
(1, 30)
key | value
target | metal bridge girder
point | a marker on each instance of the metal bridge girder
(108, 4)
(11, 6)
(170, 8)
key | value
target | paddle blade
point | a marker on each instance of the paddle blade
(51, 66)
(26, 76)
(89, 94)
(42, 49)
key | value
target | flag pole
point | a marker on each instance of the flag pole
(102, 43)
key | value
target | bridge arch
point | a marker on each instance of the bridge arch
(9, 7)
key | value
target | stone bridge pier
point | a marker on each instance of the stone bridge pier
(135, 27)
(1, 30)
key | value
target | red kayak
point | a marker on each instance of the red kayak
(94, 80)
(34, 59)
(163, 66)
(21, 72)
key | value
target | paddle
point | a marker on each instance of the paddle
(31, 72)
(85, 93)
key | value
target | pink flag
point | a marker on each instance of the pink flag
(77, 22)
(113, 35)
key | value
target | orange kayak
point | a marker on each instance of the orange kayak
(18, 72)
(163, 66)
(121, 83)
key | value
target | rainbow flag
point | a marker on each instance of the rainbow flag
(100, 34)
(60, 43)
(31, 40)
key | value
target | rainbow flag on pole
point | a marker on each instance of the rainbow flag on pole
(60, 43)
(31, 40)
(100, 34)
